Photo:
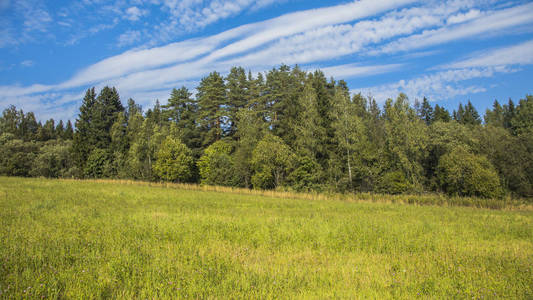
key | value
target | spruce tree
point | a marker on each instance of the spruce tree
(426, 112)
(60, 129)
(105, 112)
(68, 134)
(470, 115)
(181, 110)
(441, 114)
(508, 114)
(238, 96)
(495, 117)
(212, 110)
(84, 140)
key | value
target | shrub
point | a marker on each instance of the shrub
(216, 165)
(96, 164)
(174, 161)
(394, 182)
(462, 173)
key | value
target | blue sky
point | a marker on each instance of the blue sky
(449, 51)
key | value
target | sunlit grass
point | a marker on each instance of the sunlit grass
(82, 239)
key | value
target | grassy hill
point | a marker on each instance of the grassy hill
(80, 239)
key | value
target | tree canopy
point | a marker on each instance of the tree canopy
(281, 129)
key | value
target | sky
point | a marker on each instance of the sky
(450, 51)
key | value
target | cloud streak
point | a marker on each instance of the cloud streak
(521, 54)
(359, 31)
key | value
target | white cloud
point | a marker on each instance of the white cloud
(91, 31)
(329, 42)
(437, 86)
(191, 15)
(134, 13)
(23, 22)
(254, 34)
(27, 63)
(65, 24)
(129, 37)
(303, 21)
(36, 18)
(521, 54)
(357, 70)
(487, 23)
(463, 17)
(264, 3)
(446, 84)
(305, 37)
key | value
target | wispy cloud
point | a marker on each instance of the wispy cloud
(484, 23)
(437, 86)
(521, 54)
(449, 82)
(356, 70)
(36, 18)
(78, 36)
(31, 14)
(253, 35)
(192, 15)
(27, 63)
(129, 37)
(134, 13)
(357, 30)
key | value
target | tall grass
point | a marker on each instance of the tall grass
(129, 240)
(420, 199)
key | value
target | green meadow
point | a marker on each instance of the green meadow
(85, 240)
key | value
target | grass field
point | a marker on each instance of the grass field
(76, 239)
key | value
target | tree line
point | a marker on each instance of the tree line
(284, 129)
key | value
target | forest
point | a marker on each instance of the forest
(284, 129)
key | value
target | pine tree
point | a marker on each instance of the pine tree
(459, 115)
(104, 113)
(495, 117)
(48, 131)
(470, 116)
(181, 110)
(132, 109)
(60, 129)
(68, 134)
(84, 140)
(29, 127)
(508, 114)
(426, 112)
(238, 95)
(441, 114)
(212, 110)
(282, 90)
(155, 115)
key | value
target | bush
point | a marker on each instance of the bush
(307, 176)
(271, 161)
(461, 173)
(216, 165)
(16, 156)
(54, 160)
(394, 182)
(174, 161)
(97, 164)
